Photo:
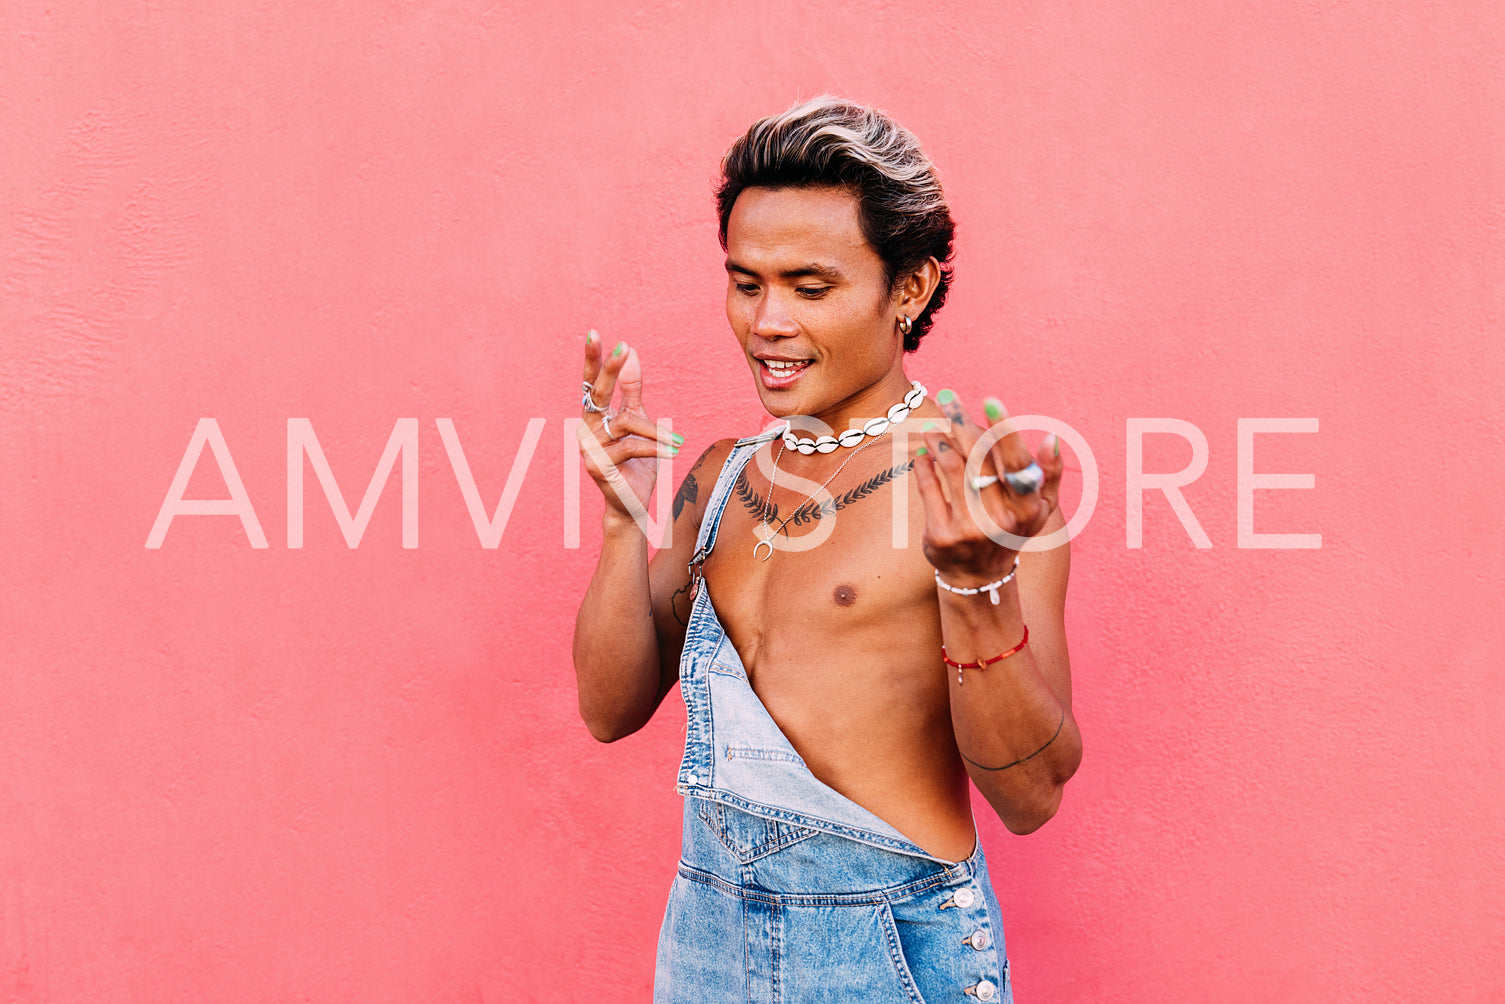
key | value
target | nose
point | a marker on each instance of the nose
(773, 320)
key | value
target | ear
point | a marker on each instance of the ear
(916, 289)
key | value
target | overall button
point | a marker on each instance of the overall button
(964, 898)
(691, 779)
(984, 990)
(979, 939)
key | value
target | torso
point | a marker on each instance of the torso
(841, 641)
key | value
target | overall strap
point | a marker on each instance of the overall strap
(741, 453)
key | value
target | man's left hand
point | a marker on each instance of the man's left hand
(957, 541)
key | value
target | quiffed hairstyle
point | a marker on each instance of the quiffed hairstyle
(832, 141)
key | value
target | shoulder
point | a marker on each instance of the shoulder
(710, 462)
(695, 487)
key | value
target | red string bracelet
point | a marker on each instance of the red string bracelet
(979, 664)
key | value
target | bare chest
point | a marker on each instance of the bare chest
(844, 604)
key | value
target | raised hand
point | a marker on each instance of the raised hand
(621, 447)
(956, 541)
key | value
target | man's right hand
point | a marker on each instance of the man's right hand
(621, 447)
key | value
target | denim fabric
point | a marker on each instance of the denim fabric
(787, 891)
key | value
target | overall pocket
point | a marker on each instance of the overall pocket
(844, 952)
(748, 836)
(950, 948)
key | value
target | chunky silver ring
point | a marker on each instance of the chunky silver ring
(606, 426)
(987, 480)
(589, 403)
(1026, 481)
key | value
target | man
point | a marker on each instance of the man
(840, 690)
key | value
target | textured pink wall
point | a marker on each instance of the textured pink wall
(326, 774)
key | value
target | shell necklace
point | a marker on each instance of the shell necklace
(861, 438)
(874, 428)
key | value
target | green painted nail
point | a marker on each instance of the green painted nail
(945, 397)
(921, 452)
(678, 439)
(929, 426)
(993, 408)
(673, 451)
(590, 336)
(618, 350)
(1058, 446)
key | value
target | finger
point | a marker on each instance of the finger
(943, 450)
(1010, 452)
(1051, 463)
(958, 470)
(592, 355)
(597, 461)
(630, 379)
(606, 472)
(636, 448)
(604, 387)
(938, 518)
(627, 423)
(945, 460)
(990, 462)
(603, 459)
(963, 433)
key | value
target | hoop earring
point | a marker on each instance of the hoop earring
(905, 325)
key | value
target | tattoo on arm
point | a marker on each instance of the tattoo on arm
(689, 488)
(1025, 759)
(684, 590)
(688, 495)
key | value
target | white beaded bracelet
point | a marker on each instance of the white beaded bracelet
(991, 588)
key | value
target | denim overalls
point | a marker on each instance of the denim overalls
(788, 892)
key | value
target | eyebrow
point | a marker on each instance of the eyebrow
(813, 269)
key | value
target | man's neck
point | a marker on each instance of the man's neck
(867, 404)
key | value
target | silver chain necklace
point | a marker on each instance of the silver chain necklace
(768, 534)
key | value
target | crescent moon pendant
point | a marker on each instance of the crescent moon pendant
(761, 544)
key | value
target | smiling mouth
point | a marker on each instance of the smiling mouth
(783, 368)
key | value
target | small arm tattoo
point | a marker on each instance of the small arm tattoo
(689, 488)
(683, 590)
(1025, 759)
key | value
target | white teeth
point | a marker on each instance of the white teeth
(781, 366)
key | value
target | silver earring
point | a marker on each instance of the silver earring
(905, 324)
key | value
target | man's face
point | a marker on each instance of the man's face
(807, 299)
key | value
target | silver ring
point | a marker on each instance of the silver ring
(987, 480)
(606, 425)
(1026, 481)
(589, 403)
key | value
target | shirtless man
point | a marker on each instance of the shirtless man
(838, 243)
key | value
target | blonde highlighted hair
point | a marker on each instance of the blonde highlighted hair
(832, 141)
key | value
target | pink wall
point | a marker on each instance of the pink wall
(326, 774)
